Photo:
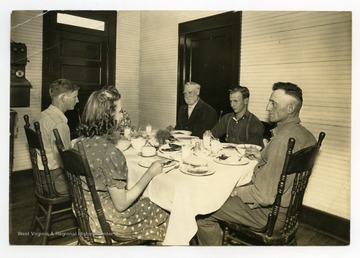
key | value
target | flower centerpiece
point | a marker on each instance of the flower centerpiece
(162, 136)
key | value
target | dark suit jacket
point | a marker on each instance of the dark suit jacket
(203, 118)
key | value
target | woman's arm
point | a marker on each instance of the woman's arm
(123, 198)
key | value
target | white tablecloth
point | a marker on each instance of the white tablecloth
(186, 196)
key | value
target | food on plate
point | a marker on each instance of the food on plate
(223, 157)
(231, 158)
(197, 170)
(171, 147)
(195, 161)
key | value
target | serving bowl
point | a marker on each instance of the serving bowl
(176, 133)
(123, 144)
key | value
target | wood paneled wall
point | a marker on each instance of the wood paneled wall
(313, 50)
(128, 61)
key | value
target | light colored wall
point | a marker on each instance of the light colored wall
(26, 27)
(311, 49)
(128, 61)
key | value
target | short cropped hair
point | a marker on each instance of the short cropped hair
(242, 89)
(290, 89)
(61, 86)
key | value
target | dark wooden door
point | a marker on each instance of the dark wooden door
(84, 56)
(209, 54)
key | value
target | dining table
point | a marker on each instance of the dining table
(187, 195)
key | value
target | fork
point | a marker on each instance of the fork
(174, 167)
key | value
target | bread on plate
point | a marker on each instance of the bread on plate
(195, 164)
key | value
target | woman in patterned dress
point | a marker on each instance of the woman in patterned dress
(128, 214)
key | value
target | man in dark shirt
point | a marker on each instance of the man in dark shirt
(196, 115)
(241, 126)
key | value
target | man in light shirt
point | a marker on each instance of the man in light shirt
(250, 204)
(64, 96)
(196, 115)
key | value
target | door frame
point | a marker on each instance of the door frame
(234, 19)
(49, 23)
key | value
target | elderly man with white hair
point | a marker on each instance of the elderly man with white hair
(196, 115)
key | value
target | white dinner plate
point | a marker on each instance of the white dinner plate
(232, 160)
(247, 146)
(146, 162)
(185, 139)
(184, 169)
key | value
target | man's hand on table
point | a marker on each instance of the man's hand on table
(253, 153)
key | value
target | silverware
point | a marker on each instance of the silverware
(167, 158)
(174, 167)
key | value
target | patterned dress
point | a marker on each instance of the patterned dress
(143, 219)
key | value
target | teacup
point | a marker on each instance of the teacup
(138, 143)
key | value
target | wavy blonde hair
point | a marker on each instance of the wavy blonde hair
(98, 115)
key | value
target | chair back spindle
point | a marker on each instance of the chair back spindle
(50, 203)
(78, 169)
(36, 149)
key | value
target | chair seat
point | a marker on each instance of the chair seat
(55, 200)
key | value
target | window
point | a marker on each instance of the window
(80, 22)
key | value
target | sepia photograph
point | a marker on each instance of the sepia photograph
(178, 129)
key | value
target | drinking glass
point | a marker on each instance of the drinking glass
(186, 151)
(215, 145)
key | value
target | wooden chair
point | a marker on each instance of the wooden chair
(51, 206)
(78, 169)
(299, 164)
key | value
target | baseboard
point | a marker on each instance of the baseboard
(328, 223)
(21, 174)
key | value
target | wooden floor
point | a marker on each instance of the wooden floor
(22, 204)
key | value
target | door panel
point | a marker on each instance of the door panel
(84, 56)
(209, 54)
(212, 71)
